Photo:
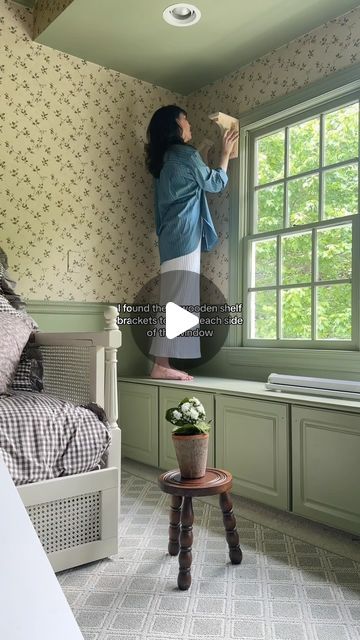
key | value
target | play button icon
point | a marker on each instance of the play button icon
(178, 320)
(169, 306)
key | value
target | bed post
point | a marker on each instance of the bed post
(111, 395)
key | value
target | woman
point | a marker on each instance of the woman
(183, 221)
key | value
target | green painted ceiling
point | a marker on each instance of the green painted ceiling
(133, 38)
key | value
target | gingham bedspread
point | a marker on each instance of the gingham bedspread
(42, 437)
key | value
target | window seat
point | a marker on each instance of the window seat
(296, 452)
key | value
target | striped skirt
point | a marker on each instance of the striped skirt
(182, 290)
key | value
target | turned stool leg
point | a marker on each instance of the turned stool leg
(232, 535)
(174, 527)
(186, 540)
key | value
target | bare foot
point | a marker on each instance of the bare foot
(169, 374)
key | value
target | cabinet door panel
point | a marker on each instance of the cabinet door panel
(138, 420)
(326, 469)
(252, 443)
(170, 397)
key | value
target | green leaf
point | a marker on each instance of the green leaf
(191, 429)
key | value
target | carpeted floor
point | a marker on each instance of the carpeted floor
(285, 588)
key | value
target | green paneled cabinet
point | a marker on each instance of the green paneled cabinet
(298, 457)
(326, 466)
(138, 420)
(252, 442)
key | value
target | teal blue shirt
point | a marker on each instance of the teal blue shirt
(182, 213)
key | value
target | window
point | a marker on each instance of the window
(302, 244)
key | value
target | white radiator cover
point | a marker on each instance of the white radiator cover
(311, 385)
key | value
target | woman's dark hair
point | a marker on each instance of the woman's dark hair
(162, 132)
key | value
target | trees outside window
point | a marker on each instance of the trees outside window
(302, 243)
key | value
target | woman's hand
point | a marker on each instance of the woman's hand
(229, 138)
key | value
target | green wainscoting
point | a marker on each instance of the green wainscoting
(326, 469)
(231, 362)
(67, 316)
(87, 316)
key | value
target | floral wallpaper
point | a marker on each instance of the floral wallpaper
(45, 11)
(324, 50)
(72, 175)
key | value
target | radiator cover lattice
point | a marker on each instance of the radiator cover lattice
(67, 523)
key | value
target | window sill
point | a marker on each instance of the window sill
(318, 362)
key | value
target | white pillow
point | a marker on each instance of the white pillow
(15, 329)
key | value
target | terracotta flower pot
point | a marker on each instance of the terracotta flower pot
(191, 453)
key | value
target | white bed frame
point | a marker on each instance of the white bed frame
(76, 517)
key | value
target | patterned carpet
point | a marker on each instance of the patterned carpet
(285, 589)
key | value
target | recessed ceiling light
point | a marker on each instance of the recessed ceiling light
(182, 15)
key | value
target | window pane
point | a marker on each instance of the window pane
(296, 258)
(303, 195)
(296, 313)
(341, 134)
(334, 253)
(341, 192)
(304, 146)
(334, 312)
(270, 206)
(264, 268)
(263, 311)
(270, 157)
(301, 232)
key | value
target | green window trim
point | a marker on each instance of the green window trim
(335, 90)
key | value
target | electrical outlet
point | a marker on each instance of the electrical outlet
(75, 261)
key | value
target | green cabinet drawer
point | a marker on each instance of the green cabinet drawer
(326, 469)
(170, 397)
(138, 420)
(252, 442)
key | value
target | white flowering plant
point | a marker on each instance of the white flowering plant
(188, 418)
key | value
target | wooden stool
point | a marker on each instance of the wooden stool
(215, 481)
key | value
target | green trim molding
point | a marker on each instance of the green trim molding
(67, 315)
(88, 316)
